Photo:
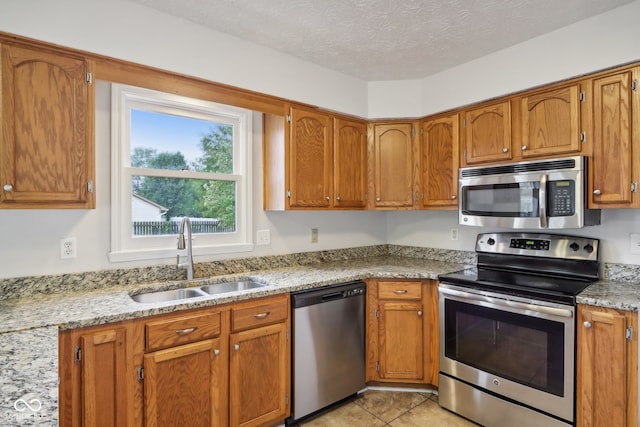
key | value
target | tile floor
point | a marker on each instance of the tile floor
(378, 408)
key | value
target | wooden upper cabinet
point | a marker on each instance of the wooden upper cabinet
(311, 161)
(350, 164)
(487, 134)
(439, 156)
(615, 163)
(550, 123)
(393, 165)
(46, 146)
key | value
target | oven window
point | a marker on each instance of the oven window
(503, 200)
(521, 348)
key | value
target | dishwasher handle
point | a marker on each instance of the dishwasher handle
(332, 296)
(327, 294)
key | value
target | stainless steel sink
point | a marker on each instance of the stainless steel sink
(221, 288)
(172, 295)
(194, 292)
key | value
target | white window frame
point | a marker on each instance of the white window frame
(124, 246)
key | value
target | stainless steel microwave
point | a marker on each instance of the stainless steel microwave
(544, 194)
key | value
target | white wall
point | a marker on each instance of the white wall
(30, 239)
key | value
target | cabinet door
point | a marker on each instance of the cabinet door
(616, 156)
(487, 134)
(350, 164)
(439, 162)
(46, 146)
(95, 378)
(393, 165)
(607, 368)
(310, 164)
(401, 340)
(184, 385)
(551, 123)
(259, 376)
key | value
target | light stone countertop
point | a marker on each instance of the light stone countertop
(29, 324)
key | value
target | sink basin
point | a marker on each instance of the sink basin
(172, 295)
(220, 288)
(194, 292)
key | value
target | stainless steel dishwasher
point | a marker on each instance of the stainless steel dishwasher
(328, 347)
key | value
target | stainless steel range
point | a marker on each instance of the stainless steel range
(507, 329)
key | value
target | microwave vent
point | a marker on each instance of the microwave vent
(568, 163)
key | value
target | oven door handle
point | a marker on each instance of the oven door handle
(542, 201)
(561, 312)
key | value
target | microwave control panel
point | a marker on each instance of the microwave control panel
(561, 200)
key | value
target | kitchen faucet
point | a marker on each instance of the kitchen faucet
(188, 265)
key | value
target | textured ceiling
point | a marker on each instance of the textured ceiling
(385, 39)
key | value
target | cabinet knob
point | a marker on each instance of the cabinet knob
(524, 148)
(338, 198)
(377, 199)
(8, 187)
(453, 197)
(596, 192)
(587, 324)
(505, 150)
(328, 198)
(236, 347)
(216, 352)
(420, 314)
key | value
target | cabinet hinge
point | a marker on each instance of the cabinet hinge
(140, 375)
(413, 132)
(582, 96)
(629, 334)
(377, 366)
(377, 314)
(464, 123)
(90, 186)
(634, 85)
(77, 354)
(286, 399)
(89, 78)
(288, 118)
(288, 194)
(634, 187)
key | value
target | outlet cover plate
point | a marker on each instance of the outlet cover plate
(68, 248)
(263, 237)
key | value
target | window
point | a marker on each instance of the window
(175, 157)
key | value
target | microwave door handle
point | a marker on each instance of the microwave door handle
(542, 201)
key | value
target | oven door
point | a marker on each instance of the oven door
(513, 347)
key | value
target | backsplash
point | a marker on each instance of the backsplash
(17, 287)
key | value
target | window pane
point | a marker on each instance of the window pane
(166, 141)
(158, 205)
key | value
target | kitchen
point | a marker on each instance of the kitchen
(30, 243)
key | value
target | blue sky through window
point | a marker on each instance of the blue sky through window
(169, 133)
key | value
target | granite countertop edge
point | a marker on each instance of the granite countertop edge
(81, 309)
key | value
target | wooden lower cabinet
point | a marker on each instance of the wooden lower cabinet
(402, 334)
(607, 367)
(185, 385)
(98, 386)
(218, 366)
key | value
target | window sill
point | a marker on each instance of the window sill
(163, 253)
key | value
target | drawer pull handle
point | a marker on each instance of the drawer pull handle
(262, 315)
(400, 291)
(185, 331)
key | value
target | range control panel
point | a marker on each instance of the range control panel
(536, 244)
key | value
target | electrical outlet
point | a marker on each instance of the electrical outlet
(263, 237)
(454, 234)
(634, 244)
(314, 235)
(68, 248)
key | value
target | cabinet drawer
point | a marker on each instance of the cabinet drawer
(259, 314)
(181, 330)
(400, 290)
